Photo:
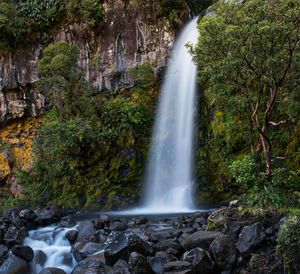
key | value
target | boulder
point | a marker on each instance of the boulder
(160, 236)
(92, 265)
(71, 235)
(3, 250)
(120, 244)
(11, 214)
(82, 250)
(40, 257)
(24, 252)
(158, 262)
(251, 237)
(199, 259)
(169, 243)
(47, 216)
(67, 221)
(102, 221)
(15, 264)
(86, 229)
(141, 221)
(121, 267)
(15, 236)
(27, 214)
(138, 264)
(3, 229)
(223, 251)
(118, 226)
(52, 270)
(199, 239)
(178, 267)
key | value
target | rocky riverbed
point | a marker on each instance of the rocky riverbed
(230, 240)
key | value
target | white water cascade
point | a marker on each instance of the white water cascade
(169, 172)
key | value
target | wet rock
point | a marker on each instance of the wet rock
(121, 267)
(199, 239)
(178, 266)
(158, 262)
(120, 245)
(3, 250)
(82, 250)
(92, 265)
(3, 229)
(10, 214)
(169, 243)
(138, 264)
(102, 221)
(16, 265)
(86, 229)
(15, 236)
(27, 214)
(72, 236)
(251, 237)
(52, 270)
(67, 259)
(223, 251)
(199, 259)
(40, 258)
(24, 252)
(67, 221)
(141, 221)
(161, 236)
(118, 226)
(47, 216)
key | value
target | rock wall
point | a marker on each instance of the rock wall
(129, 35)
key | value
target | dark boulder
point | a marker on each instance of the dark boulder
(199, 259)
(138, 264)
(178, 267)
(223, 251)
(86, 229)
(47, 216)
(52, 270)
(102, 222)
(169, 243)
(24, 252)
(72, 236)
(199, 239)
(92, 265)
(121, 267)
(15, 265)
(251, 237)
(67, 221)
(160, 236)
(3, 229)
(3, 250)
(27, 214)
(15, 236)
(118, 226)
(40, 257)
(158, 262)
(10, 214)
(82, 250)
(141, 221)
(120, 245)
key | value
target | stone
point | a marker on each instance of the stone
(92, 265)
(67, 221)
(86, 229)
(12, 216)
(15, 236)
(169, 243)
(40, 258)
(102, 221)
(199, 239)
(15, 264)
(251, 237)
(71, 235)
(3, 250)
(160, 236)
(120, 244)
(118, 226)
(199, 259)
(138, 264)
(141, 221)
(82, 250)
(178, 266)
(24, 252)
(52, 270)
(27, 214)
(158, 262)
(223, 251)
(47, 216)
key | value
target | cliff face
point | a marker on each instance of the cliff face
(129, 35)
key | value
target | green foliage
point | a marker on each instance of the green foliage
(289, 234)
(12, 26)
(90, 12)
(40, 15)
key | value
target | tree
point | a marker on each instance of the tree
(249, 53)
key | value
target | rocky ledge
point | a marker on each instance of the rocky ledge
(224, 241)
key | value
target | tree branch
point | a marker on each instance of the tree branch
(288, 157)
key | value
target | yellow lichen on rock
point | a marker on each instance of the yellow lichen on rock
(4, 167)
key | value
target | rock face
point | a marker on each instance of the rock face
(130, 34)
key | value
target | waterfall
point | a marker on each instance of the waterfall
(169, 169)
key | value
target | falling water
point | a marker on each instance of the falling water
(169, 172)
